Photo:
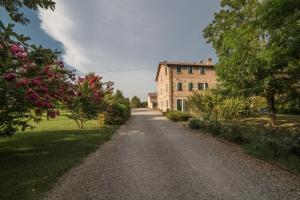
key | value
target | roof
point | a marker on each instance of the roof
(207, 63)
(152, 95)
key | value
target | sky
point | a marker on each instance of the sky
(124, 40)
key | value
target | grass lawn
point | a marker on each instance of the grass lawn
(259, 123)
(32, 161)
(256, 127)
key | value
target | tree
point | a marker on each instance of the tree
(32, 80)
(255, 56)
(135, 102)
(118, 97)
(26, 86)
(87, 99)
(14, 7)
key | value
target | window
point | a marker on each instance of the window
(200, 86)
(190, 70)
(160, 78)
(166, 71)
(190, 86)
(179, 86)
(202, 70)
(206, 86)
(179, 104)
(178, 70)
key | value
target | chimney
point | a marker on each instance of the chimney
(209, 61)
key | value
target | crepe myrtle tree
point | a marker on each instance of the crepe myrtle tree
(28, 89)
(87, 99)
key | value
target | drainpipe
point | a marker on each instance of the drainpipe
(170, 87)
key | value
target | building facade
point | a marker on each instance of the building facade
(152, 100)
(177, 80)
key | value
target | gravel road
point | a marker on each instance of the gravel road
(153, 158)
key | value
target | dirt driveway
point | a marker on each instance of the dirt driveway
(153, 158)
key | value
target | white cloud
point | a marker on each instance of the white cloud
(107, 35)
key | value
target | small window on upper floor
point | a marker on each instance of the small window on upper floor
(166, 71)
(202, 70)
(190, 70)
(190, 86)
(179, 86)
(178, 69)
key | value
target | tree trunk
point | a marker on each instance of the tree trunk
(47, 114)
(271, 109)
(81, 124)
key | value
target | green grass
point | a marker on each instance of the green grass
(257, 126)
(260, 143)
(32, 161)
(259, 123)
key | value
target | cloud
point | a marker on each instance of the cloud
(105, 35)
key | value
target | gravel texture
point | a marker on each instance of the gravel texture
(153, 158)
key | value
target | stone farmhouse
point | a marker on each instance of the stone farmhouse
(177, 80)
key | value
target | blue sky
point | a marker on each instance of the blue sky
(101, 36)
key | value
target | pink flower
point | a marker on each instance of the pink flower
(51, 113)
(10, 76)
(38, 111)
(35, 82)
(38, 104)
(32, 95)
(60, 64)
(47, 105)
(24, 82)
(18, 51)
(44, 89)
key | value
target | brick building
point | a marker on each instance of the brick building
(177, 80)
(152, 100)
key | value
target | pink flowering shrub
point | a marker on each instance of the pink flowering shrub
(87, 98)
(28, 85)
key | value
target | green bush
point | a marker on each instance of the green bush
(213, 127)
(233, 134)
(201, 104)
(233, 108)
(196, 123)
(274, 144)
(115, 114)
(292, 144)
(178, 116)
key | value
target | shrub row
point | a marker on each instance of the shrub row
(231, 134)
(277, 144)
(177, 116)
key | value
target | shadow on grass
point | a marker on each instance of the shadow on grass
(32, 161)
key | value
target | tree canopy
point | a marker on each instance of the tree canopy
(135, 102)
(258, 52)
